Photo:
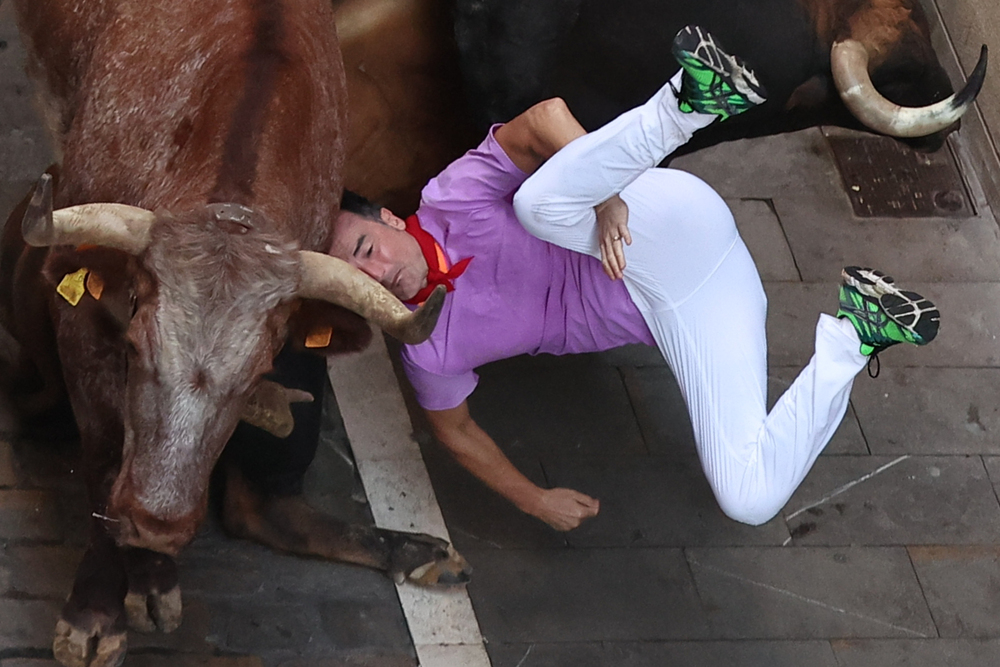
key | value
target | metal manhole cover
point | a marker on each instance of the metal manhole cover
(885, 179)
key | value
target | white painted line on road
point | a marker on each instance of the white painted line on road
(442, 622)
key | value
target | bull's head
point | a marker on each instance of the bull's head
(211, 295)
(890, 43)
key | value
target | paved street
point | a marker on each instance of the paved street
(887, 556)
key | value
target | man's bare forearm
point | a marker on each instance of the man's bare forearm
(475, 450)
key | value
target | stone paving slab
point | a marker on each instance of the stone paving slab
(824, 236)
(576, 405)
(993, 469)
(806, 593)
(762, 232)
(172, 660)
(23, 142)
(360, 661)
(961, 585)
(970, 314)
(916, 653)
(782, 165)
(722, 654)
(30, 515)
(919, 500)
(930, 411)
(585, 595)
(27, 624)
(660, 410)
(656, 503)
(38, 571)
(183, 660)
(672, 654)
(477, 517)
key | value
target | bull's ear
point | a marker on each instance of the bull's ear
(323, 328)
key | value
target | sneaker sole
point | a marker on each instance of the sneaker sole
(731, 68)
(911, 311)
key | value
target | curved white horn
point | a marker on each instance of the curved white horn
(110, 225)
(849, 62)
(334, 280)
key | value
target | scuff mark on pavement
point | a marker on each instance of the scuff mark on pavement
(847, 486)
(802, 598)
(525, 656)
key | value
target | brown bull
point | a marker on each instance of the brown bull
(201, 148)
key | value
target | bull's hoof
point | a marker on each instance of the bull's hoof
(93, 646)
(427, 561)
(149, 612)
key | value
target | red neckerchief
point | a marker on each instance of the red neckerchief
(438, 272)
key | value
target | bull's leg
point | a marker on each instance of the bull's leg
(289, 524)
(91, 630)
(153, 601)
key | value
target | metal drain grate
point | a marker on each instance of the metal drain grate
(885, 179)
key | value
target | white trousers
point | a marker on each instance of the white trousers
(694, 282)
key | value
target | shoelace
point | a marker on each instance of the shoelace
(878, 365)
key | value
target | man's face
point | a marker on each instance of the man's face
(383, 251)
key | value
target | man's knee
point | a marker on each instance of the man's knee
(753, 512)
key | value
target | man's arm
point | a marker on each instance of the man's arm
(534, 136)
(475, 450)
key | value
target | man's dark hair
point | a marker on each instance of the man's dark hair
(354, 203)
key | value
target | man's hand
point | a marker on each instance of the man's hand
(612, 229)
(564, 509)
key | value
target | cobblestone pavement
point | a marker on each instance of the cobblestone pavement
(886, 555)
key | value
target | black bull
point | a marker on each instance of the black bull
(606, 56)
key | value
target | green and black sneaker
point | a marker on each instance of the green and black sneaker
(713, 82)
(882, 314)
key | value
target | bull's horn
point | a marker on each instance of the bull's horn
(110, 225)
(849, 61)
(334, 280)
(269, 407)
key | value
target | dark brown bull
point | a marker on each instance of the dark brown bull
(201, 148)
(852, 63)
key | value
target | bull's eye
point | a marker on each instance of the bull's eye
(132, 304)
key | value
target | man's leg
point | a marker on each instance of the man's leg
(556, 202)
(715, 343)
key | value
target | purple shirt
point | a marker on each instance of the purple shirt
(519, 295)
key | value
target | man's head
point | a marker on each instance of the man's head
(374, 240)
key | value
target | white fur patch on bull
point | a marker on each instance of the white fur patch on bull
(204, 334)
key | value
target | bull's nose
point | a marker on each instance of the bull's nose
(119, 527)
(140, 530)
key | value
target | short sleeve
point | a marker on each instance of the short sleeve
(436, 391)
(481, 177)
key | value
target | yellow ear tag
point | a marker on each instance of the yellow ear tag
(71, 286)
(319, 337)
(95, 286)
